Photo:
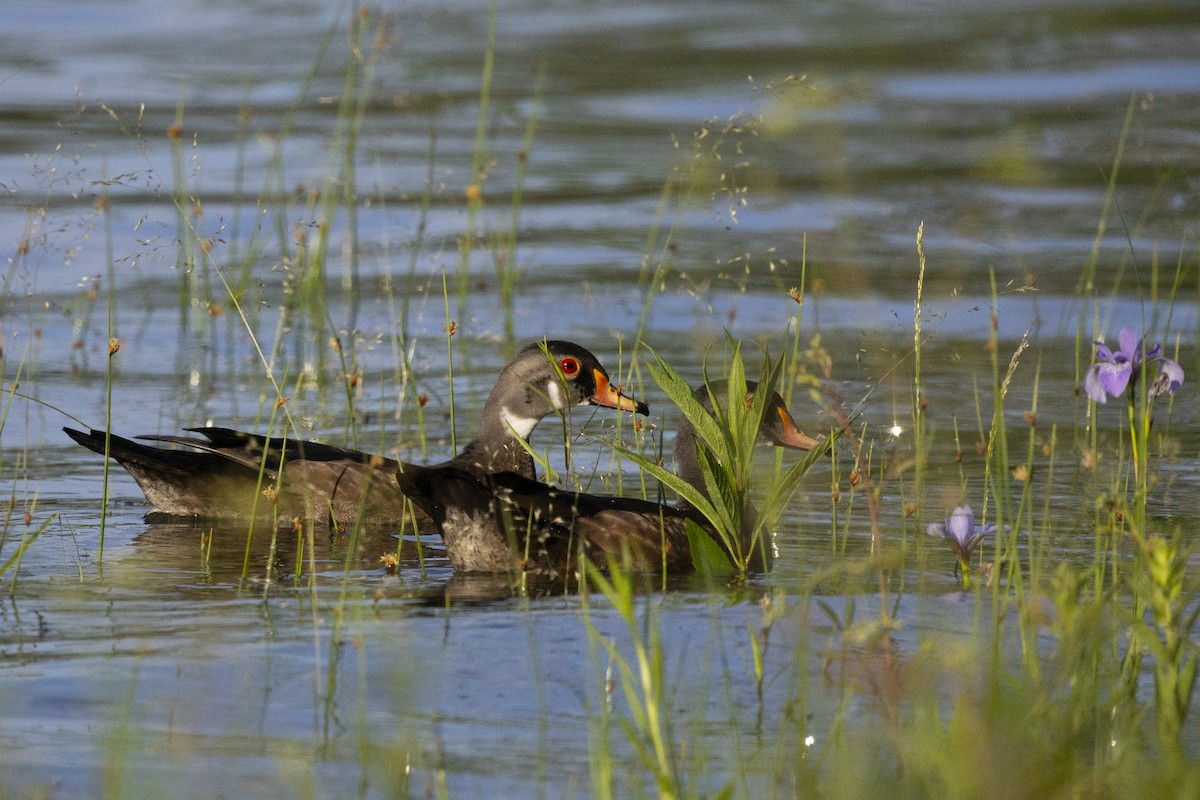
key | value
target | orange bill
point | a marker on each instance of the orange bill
(792, 436)
(609, 396)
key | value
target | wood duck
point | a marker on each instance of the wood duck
(503, 521)
(217, 477)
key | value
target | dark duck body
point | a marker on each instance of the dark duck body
(217, 476)
(503, 521)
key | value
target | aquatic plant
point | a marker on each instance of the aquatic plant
(960, 531)
(725, 443)
(1115, 372)
(1119, 372)
(1160, 623)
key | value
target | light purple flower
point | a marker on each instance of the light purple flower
(960, 530)
(1114, 372)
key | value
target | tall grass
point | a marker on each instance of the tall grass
(114, 345)
(13, 561)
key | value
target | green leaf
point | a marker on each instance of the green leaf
(736, 411)
(726, 500)
(707, 555)
(618, 590)
(678, 392)
(1187, 680)
(673, 482)
(767, 385)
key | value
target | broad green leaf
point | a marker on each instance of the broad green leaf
(719, 392)
(736, 411)
(707, 555)
(679, 393)
(724, 499)
(768, 384)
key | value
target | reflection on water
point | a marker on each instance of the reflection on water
(687, 160)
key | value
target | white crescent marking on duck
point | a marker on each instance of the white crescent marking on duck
(521, 426)
(554, 391)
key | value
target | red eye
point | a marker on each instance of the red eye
(570, 366)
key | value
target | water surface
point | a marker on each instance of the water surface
(821, 134)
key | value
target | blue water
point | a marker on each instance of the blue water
(724, 144)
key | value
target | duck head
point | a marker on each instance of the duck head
(550, 376)
(778, 427)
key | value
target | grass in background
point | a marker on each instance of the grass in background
(1082, 673)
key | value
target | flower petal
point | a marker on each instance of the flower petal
(976, 535)
(1170, 378)
(1131, 345)
(961, 524)
(1091, 385)
(1114, 377)
(1102, 351)
(936, 529)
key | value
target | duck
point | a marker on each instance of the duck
(505, 522)
(217, 475)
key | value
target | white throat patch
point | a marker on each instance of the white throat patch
(521, 426)
(554, 392)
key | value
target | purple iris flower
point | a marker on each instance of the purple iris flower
(1113, 373)
(960, 530)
